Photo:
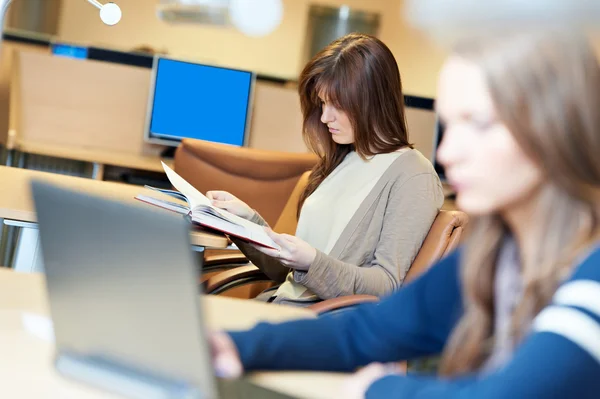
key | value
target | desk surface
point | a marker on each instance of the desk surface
(26, 361)
(105, 157)
(16, 202)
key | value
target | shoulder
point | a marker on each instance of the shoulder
(413, 172)
(582, 288)
(588, 267)
(574, 312)
(412, 164)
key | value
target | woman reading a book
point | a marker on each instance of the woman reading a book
(515, 313)
(371, 198)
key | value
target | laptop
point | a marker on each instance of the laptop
(124, 299)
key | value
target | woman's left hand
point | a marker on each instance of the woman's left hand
(294, 253)
(357, 385)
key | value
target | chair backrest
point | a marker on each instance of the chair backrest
(443, 237)
(263, 179)
(288, 220)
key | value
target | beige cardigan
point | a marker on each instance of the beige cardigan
(377, 247)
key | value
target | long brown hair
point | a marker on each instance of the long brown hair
(359, 75)
(546, 89)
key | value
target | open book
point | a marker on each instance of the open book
(200, 211)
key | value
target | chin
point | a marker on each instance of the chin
(341, 140)
(475, 205)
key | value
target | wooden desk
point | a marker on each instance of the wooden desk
(16, 202)
(99, 157)
(26, 361)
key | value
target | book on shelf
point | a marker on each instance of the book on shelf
(199, 210)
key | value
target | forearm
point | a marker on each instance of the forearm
(340, 343)
(413, 322)
(546, 367)
(330, 278)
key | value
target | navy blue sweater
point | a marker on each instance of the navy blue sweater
(560, 358)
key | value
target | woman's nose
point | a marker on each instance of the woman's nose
(327, 115)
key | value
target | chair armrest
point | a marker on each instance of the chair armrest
(217, 257)
(341, 302)
(239, 273)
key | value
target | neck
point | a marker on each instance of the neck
(524, 221)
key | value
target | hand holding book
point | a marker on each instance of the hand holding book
(230, 203)
(293, 251)
(201, 211)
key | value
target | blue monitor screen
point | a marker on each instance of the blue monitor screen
(199, 102)
(67, 50)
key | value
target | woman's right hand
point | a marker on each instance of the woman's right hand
(225, 357)
(230, 203)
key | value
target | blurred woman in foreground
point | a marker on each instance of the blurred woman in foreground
(515, 312)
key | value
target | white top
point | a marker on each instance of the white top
(327, 211)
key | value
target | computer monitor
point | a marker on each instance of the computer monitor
(120, 57)
(198, 101)
(439, 135)
(69, 50)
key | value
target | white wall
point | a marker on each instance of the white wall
(278, 54)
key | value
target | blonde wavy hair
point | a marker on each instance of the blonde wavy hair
(546, 89)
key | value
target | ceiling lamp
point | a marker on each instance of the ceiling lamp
(256, 17)
(110, 13)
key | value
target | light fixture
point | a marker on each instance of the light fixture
(110, 13)
(205, 12)
(255, 17)
(251, 17)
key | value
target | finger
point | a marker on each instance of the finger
(395, 368)
(227, 365)
(373, 372)
(275, 236)
(288, 238)
(286, 248)
(218, 203)
(226, 205)
(280, 238)
(225, 360)
(218, 195)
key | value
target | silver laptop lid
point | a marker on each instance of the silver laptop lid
(122, 286)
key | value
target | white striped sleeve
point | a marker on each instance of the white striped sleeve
(573, 324)
(584, 294)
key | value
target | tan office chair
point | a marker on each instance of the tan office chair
(263, 179)
(443, 237)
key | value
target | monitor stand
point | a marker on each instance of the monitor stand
(168, 152)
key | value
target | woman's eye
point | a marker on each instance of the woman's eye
(482, 124)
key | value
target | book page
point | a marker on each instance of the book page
(247, 231)
(200, 202)
(194, 196)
